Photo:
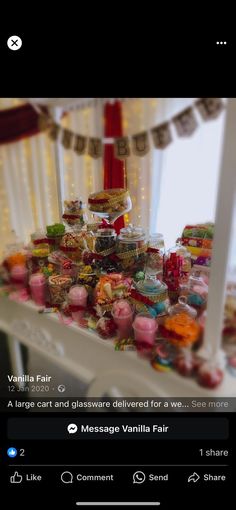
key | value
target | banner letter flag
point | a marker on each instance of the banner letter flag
(43, 122)
(185, 123)
(118, 148)
(210, 107)
(67, 138)
(54, 131)
(80, 144)
(140, 144)
(95, 148)
(162, 135)
(122, 150)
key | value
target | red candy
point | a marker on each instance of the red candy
(184, 365)
(209, 376)
(106, 327)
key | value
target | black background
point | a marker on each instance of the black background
(140, 453)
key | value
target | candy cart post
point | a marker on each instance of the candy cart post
(211, 349)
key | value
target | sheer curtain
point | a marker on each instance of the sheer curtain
(143, 173)
(28, 186)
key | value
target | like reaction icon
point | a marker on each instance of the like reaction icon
(16, 478)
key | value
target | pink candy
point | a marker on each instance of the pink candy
(78, 295)
(121, 308)
(145, 324)
(38, 288)
(19, 275)
(122, 313)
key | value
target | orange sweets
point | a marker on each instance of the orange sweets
(16, 259)
(181, 330)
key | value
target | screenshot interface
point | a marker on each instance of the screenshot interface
(117, 299)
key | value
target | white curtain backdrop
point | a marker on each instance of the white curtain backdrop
(143, 174)
(28, 186)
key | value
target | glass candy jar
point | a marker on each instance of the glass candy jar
(155, 254)
(110, 203)
(74, 212)
(131, 249)
(177, 266)
(40, 251)
(151, 296)
(54, 235)
(197, 292)
(181, 307)
(105, 241)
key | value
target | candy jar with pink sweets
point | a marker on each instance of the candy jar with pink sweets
(145, 329)
(77, 298)
(122, 313)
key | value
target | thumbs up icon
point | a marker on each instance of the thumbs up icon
(16, 478)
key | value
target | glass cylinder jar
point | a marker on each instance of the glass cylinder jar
(131, 249)
(73, 244)
(40, 251)
(197, 292)
(58, 288)
(74, 212)
(176, 270)
(55, 233)
(155, 255)
(105, 241)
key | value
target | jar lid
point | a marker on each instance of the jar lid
(181, 307)
(131, 233)
(106, 232)
(151, 287)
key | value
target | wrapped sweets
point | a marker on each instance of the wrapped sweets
(131, 249)
(155, 255)
(198, 240)
(63, 264)
(77, 298)
(122, 313)
(58, 288)
(74, 213)
(88, 278)
(145, 328)
(73, 245)
(55, 233)
(38, 286)
(180, 329)
(110, 288)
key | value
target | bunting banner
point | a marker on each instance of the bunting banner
(184, 124)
